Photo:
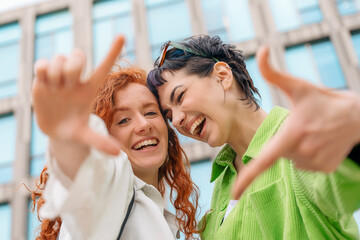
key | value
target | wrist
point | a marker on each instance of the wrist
(69, 155)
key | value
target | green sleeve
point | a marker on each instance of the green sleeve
(335, 194)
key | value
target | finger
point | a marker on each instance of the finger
(54, 72)
(106, 144)
(73, 68)
(40, 70)
(289, 84)
(277, 147)
(100, 74)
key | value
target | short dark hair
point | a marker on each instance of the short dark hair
(200, 60)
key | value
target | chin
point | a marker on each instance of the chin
(215, 142)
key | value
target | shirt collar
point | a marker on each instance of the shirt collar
(267, 129)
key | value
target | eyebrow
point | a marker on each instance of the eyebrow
(146, 105)
(173, 92)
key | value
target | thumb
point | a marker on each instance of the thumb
(107, 144)
(287, 83)
(278, 146)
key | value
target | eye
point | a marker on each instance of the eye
(123, 121)
(151, 113)
(179, 98)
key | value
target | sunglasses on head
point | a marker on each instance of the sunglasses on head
(181, 47)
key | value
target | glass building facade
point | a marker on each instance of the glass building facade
(308, 45)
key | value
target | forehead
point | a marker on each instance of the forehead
(176, 80)
(134, 94)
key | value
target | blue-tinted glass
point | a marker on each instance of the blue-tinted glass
(260, 84)
(38, 148)
(5, 220)
(309, 11)
(316, 63)
(9, 59)
(356, 42)
(9, 33)
(229, 19)
(239, 20)
(285, 14)
(200, 174)
(213, 15)
(168, 21)
(150, 3)
(357, 218)
(300, 63)
(292, 14)
(7, 146)
(6, 173)
(33, 223)
(110, 19)
(347, 7)
(328, 65)
(53, 34)
(63, 42)
(53, 22)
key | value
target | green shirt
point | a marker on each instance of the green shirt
(283, 202)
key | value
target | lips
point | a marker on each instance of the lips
(197, 126)
(145, 144)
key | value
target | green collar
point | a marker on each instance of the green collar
(267, 129)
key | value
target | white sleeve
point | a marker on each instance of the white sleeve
(93, 205)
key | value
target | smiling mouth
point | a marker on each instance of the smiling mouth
(146, 144)
(197, 126)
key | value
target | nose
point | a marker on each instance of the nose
(143, 126)
(178, 117)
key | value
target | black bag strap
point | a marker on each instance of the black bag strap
(127, 215)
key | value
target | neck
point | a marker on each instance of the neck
(246, 123)
(151, 178)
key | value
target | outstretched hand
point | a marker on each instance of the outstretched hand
(320, 131)
(62, 101)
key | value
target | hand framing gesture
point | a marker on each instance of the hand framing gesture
(62, 101)
(320, 131)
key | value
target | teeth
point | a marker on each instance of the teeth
(145, 143)
(195, 124)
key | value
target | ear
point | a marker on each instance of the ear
(223, 72)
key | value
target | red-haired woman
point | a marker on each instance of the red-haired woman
(91, 182)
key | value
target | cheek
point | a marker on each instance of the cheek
(119, 134)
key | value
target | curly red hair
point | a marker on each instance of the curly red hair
(174, 172)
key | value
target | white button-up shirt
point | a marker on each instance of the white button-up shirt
(94, 204)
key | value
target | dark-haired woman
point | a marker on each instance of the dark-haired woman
(206, 92)
(94, 176)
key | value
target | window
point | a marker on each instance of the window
(260, 84)
(33, 223)
(229, 19)
(348, 7)
(167, 20)
(9, 59)
(200, 174)
(5, 220)
(7, 147)
(53, 34)
(316, 62)
(37, 148)
(292, 14)
(356, 42)
(111, 18)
